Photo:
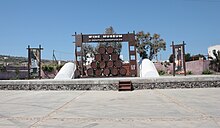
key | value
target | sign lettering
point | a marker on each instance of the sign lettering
(105, 37)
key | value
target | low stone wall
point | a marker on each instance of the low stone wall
(112, 83)
(58, 87)
(183, 84)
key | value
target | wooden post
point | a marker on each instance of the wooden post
(98, 57)
(102, 64)
(110, 49)
(39, 75)
(114, 71)
(184, 59)
(106, 72)
(174, 64)
(105, 57)
(122, 71)
(98, 72)
(102, 50)
(110, 64)
(118, 64)
(94, 64)
(82, 54)
(90, 72)
(29, 62)
(115, 57)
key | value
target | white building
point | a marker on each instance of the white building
(210, 50)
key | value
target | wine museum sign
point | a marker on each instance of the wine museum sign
(103, 38)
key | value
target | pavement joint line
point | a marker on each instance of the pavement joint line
(196, 118)
(48, 116)
(21, 118)
(20, 93)
(26, 104)
(8, 95)
(215, 121)
(180, 104)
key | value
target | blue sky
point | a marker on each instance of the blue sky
(52, 22)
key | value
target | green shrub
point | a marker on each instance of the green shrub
(48, 68)
(2, 68)
(161, 72)
(58, 67)
(206, 72)
(189, 72)
(17, 72)
(44, 68)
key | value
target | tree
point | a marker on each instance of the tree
(215, 62)
(3, 68)
(188, 57)
(110, 30)
(149, 46)
(171, 58)
(88, 49)
(116, 45)
(197, 57)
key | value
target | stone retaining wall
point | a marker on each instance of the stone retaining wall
(59, 87)
(112, 84)
(183, 84)
(136, 86)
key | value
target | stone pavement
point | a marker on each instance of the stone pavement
(167, 108)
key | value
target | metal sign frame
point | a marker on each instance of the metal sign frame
(34, 62)
(179, 56)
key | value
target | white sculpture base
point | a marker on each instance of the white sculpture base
(147, 69)
(67, 71)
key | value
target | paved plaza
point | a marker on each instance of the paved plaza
(163, 108)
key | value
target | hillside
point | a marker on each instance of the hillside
(12, 60)
(13, 67)
(18, 61)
